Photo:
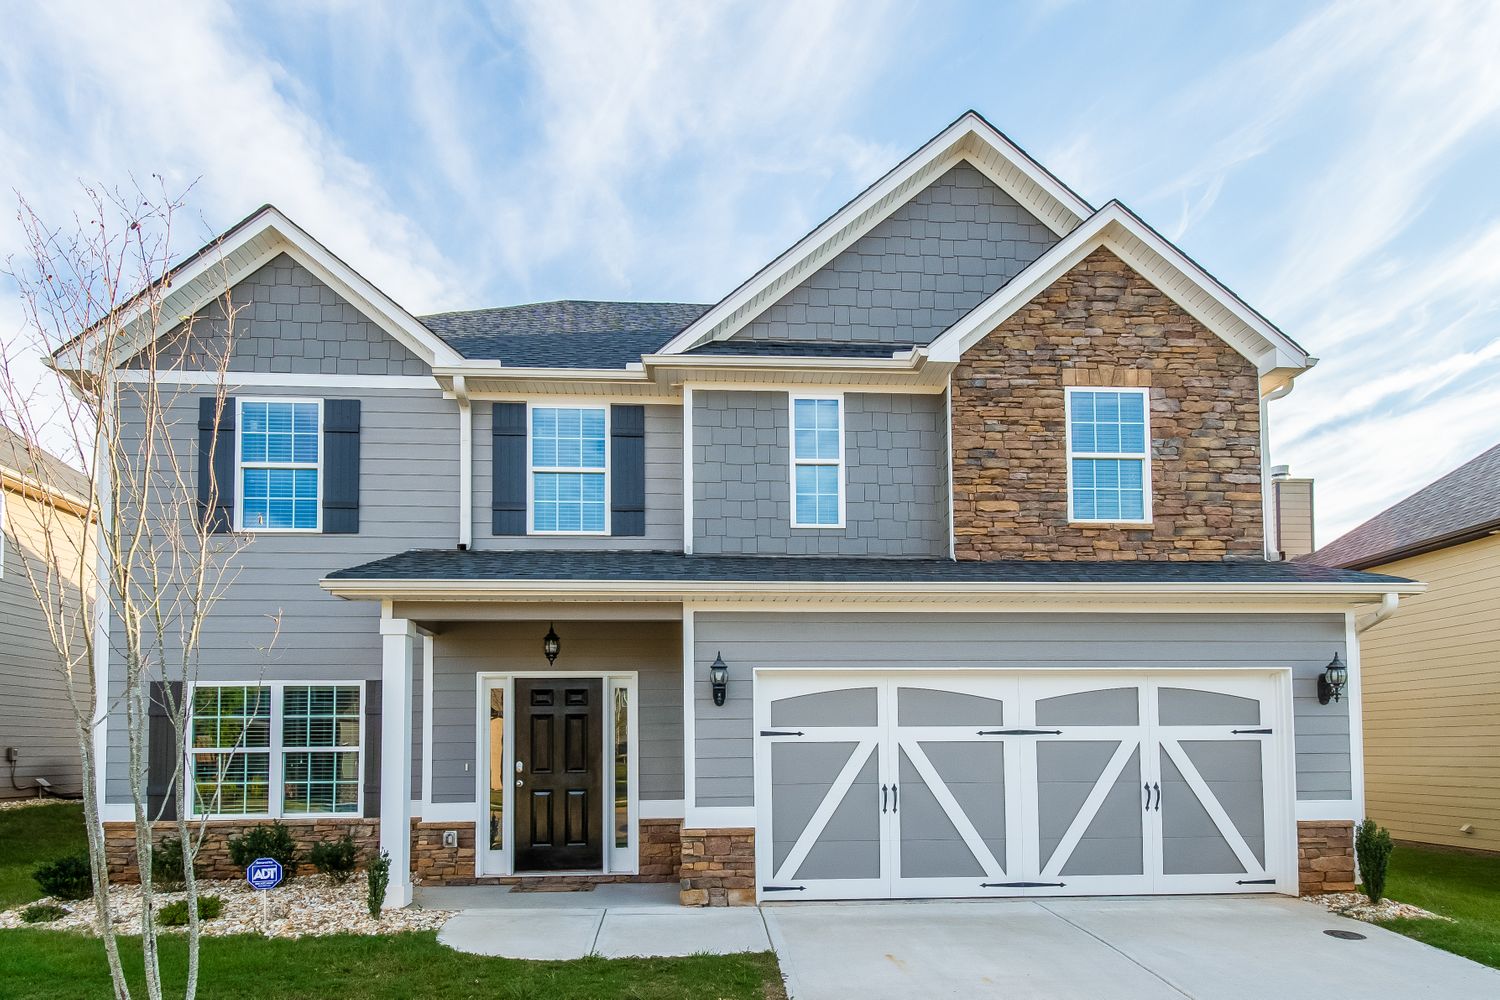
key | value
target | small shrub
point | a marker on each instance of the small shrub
(70, 877)
(1372, 845)
(167, 872)
(268, 840)
(43, 913)
(336, 858)
(380, 878)
(176, 914)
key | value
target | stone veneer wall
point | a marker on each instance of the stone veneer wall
(1102, 324)
(434, 864)
(213, 857)
(718, 867)
(1325, 856)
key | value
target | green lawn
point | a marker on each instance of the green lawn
(1465, 887)
(52, 965)
(33, 834)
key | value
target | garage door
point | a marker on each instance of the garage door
(874, 786)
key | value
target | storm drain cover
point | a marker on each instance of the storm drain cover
(1346, 935)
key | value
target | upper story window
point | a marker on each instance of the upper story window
(569, 469)
(280, 473)
(817, 462)
(1109, 461)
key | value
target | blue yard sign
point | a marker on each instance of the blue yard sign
(264, 873)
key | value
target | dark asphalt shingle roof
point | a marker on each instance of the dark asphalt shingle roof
(47, 469)
(564, 334)
(1461, 506)
(451, 564)
(802, 349)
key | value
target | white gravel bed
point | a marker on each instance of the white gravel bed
(8, 804)
(1356, 905)
(307, 906)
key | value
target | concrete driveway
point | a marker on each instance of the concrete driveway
(1204, 948)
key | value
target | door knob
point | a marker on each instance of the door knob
(520, 783)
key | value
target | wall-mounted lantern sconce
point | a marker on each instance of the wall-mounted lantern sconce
(551, 645)
(1332, 680)
(718, 677)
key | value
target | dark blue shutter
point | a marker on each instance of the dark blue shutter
(627, 470)
(508, 469)
(340, 466)
(162, 753)
(372, 749)
(216, 463)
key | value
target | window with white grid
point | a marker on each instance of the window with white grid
(1109, 460)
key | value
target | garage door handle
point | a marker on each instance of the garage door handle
(895, 800)
(1020, 732)
(1147, 805)
(1155, 787)
(882, 799)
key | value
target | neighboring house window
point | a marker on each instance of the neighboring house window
(569, 448)
(817, 463)
(276, 749)
(1109, 462)
(279, 451)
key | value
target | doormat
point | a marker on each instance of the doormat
(553, 887)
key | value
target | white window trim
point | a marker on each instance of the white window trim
(277, 773)
(4, 534)
(532, 470)
(1143, 456)
(239, 466)
(794, 461)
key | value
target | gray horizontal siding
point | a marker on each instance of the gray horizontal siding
(663, 490)
(273, 621)
(461, 651)
(723, 738)
(913, 275)
(895, 450)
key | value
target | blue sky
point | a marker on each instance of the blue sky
(1334, 164)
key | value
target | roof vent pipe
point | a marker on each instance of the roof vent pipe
(1281, 472)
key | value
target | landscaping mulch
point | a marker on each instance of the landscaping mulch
(1359, 907)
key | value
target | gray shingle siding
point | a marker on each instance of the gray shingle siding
(915, 273)
(724, 738)
(896, 477)
(288, 321)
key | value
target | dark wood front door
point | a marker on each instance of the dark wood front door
(559, 772)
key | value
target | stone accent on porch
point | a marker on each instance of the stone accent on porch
(718, 867)
(1325, 856)
(213, 856)
(433, 864)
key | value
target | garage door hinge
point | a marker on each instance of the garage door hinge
(1022, 885)
(1020, 732)
(1256, 881)
(1255, 732)
(782, 888)
(779, 732)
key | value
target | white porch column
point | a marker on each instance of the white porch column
(398, 642)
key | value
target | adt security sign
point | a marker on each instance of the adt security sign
(264, 873)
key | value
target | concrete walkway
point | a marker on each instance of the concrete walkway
(1198, 948)
(615, 921)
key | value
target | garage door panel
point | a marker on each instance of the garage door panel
(1232, 770)
(848, 847)
(845, 707)
(931, 846)
(1181, 706)
(1114, 841)
(1192, 843)
(918, 706)
(802, 775)
(974, 774)
(1114, 706)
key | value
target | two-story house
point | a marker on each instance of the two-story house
(933, 560)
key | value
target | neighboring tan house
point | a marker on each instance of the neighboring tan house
(1432, 672)
(935, 560)
(37, 735)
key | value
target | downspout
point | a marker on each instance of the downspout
(465, 465)
(1388, 605)
(1272, 530)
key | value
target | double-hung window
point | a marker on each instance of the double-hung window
(817, 462)
(279, 450)
(275, 749)
(1109, 458)
(569, 469)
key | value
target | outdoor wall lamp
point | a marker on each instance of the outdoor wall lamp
(551, 645)
(1332, 680)
(718, 677)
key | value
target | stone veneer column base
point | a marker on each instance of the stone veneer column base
(213, 857)
(1325, 856)
(659, 840)
(718, 867)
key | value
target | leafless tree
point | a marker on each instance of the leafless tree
(94, 296)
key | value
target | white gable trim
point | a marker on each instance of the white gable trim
(245, 249)
(1178, 276)
(970, 139)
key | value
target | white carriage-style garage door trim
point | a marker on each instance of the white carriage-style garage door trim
(992, 783)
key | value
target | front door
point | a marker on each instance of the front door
(559, 774)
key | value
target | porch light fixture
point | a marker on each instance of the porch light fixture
(1332, 680)
(718, 677)
(551, 645)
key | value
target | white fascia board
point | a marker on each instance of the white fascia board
(281, 235)
(967, 139)
(1111, 227)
